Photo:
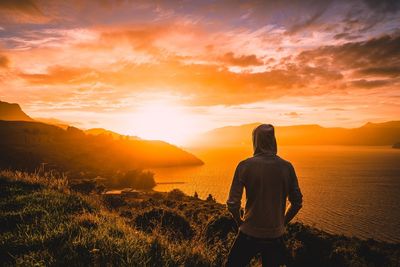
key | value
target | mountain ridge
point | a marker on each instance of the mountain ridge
(385, 133)
(12, 112)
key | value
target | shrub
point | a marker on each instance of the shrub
(210, 198)
(176, 194)
(140, 179)
(219, 228)
(136, 179)
(84, 186)
(167, 221)
(114, 201)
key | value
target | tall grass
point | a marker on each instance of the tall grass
(44, 223)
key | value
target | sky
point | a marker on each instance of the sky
(170, 69)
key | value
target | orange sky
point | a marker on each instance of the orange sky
(168, 69)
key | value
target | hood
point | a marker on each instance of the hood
(264, 141)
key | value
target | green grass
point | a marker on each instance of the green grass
(44, 223)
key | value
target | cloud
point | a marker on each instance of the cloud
(27, 6)
(392, 71)
(370, 83)
(381, 52)
(292, 114)
(242, 61)
(390, 6)
(4, 61)
(336, 109)
(203, 53)
(308, 21)
(203, 84)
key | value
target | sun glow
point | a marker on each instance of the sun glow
(164, 121)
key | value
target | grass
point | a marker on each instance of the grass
(44, 223)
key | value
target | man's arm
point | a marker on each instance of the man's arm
(295, 197)
(235, 195)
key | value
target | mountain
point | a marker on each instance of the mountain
(100, 131)
(386, 133)
(12, 112)
(27, 145)
(54, 121)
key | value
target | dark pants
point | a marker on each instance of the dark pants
(245, 247)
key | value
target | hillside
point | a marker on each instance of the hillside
(146, 229)
(26, 145)
(99, 131)
(52, 121)
(386, 133)
(12, 112)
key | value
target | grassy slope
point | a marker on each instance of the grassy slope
(44, 223)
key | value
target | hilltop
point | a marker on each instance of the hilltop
(12, 112)
(28, 145)
(25, 145)
(145, 229)
(386, 133)
(100, 131)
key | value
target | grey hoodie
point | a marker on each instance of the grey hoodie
(269, 180)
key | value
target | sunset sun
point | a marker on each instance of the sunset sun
(163, 121)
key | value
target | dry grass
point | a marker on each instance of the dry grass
(44, 223)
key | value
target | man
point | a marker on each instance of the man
(269, 180)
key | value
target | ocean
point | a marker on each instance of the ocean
(350, 190)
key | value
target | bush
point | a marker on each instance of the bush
(210, 198)
(140, 179)
(167, 221)
(176, 194)
(114, 201)
(83, 186)
(219, 228)
(136, 179)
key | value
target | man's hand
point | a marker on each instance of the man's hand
(291, 212)
(236, 216)
(239, 222)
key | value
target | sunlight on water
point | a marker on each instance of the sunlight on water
(347, 190)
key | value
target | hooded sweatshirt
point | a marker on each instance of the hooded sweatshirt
(269, 180)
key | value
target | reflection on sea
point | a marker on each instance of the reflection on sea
(347, 189)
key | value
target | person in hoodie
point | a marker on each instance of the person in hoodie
(269, 181)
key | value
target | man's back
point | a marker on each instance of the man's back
(268, 180)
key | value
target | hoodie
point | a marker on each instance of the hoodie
(269, 182)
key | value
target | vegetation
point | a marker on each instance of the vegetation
(31, 146)
(45, 223)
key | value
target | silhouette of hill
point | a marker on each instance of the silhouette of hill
(12, 112)
(99, 131)
(26, 145)
(386, 133)
(54, 121)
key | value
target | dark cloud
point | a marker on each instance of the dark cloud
(309, 20)
(375, 53)
(346, 36)
(368, 84)
(242, 61)
(391, 71)
(4, 61)
(390, 6)
(27, 6)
